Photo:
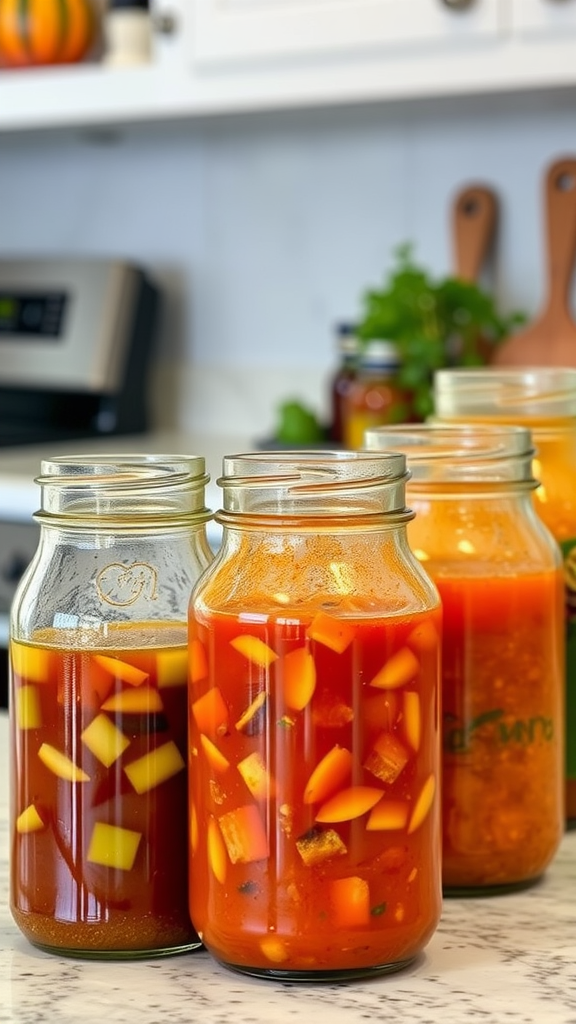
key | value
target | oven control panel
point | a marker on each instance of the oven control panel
(18, 542)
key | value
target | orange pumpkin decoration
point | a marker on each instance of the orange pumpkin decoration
(34, 32)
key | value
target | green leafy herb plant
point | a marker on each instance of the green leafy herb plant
(433, 324)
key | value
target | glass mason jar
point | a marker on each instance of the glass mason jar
(498, 571)
(314, 733)
(544, 400)
(98, 706)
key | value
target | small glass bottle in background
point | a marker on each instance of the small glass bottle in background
(98, 707)
(498, 571)
(373, 398)
(127, 31)
(544, 400)
(348, 348)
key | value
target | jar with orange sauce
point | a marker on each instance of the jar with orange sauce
(498, 571)
(314, 723)
(543, 400)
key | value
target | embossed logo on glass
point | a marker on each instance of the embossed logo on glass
(124, 584)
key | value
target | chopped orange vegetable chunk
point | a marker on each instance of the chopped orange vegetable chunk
(211, 713)
(412, 718)
(198, 662)
(298, 678)
(122, 670)
(423, 804)
(337, 634)
(388, 815)
(387, 758)
(140, 701)
(382, 710)
(216, 851)
(254, 649)
(423, 638)
(256, 776)
(244, 834)
(329, 774)
(274, 949)
(350, 902)
(194, 831)
(349, 803)
(214, 756)
(400, 669)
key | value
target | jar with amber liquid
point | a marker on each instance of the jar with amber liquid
(98, 707)
(544, 401)
(314, 732)
(498, 571)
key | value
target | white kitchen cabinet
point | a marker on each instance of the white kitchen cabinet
(544, 17)
(261, 30)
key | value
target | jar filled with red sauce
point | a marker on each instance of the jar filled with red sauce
(543, 400)
(498, 571)
(98, 707)
(314, 731)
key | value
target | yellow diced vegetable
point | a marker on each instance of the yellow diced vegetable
(104, 740)
(61, 765)
(122, 670)
(423, 804)
(254, 649)
(172, 668)
(29, 820)
(28, 714)
(412, 718)
(399, 670)
(155, 767)
(256, 776)
(140, 701)
(112, 846)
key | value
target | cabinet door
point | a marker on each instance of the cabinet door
(544, 16)
(257, 30)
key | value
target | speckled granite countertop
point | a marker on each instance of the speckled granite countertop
(503, 960)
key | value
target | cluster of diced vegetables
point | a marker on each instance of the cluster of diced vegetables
(314, 761)
(97, 737)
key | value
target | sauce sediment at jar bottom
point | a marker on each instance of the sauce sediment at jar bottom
(100, 790)
(502, 807)
(315, 840)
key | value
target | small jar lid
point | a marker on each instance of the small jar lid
(514, 394)
(453, 453)
(378, 354)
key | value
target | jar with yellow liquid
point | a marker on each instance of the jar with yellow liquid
(544, 400)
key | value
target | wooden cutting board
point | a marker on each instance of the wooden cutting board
(550, 340)
(474, 218)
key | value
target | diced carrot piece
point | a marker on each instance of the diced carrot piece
(412, 718)
(329, 774)
(256, 776)
(274, 949)
(387, 758)
(31, 663)
(197, 661)
(244, 834)
(400, 669)
(319, 845)
(217, 858)
(155, 767)
(121, 670)
(27, 706)
(140, 701)
(253, 708)
(424, 638)
(423, 804)
(171, 668)
(388, 815)
(61, 765)
(349, 803)
(382, 710)
(350, 902)
(215, 757)
(254, 649)
(194, 832)
(113, 846)
(337, 634)
(298, 678)
(29, 820)
(211, 713)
